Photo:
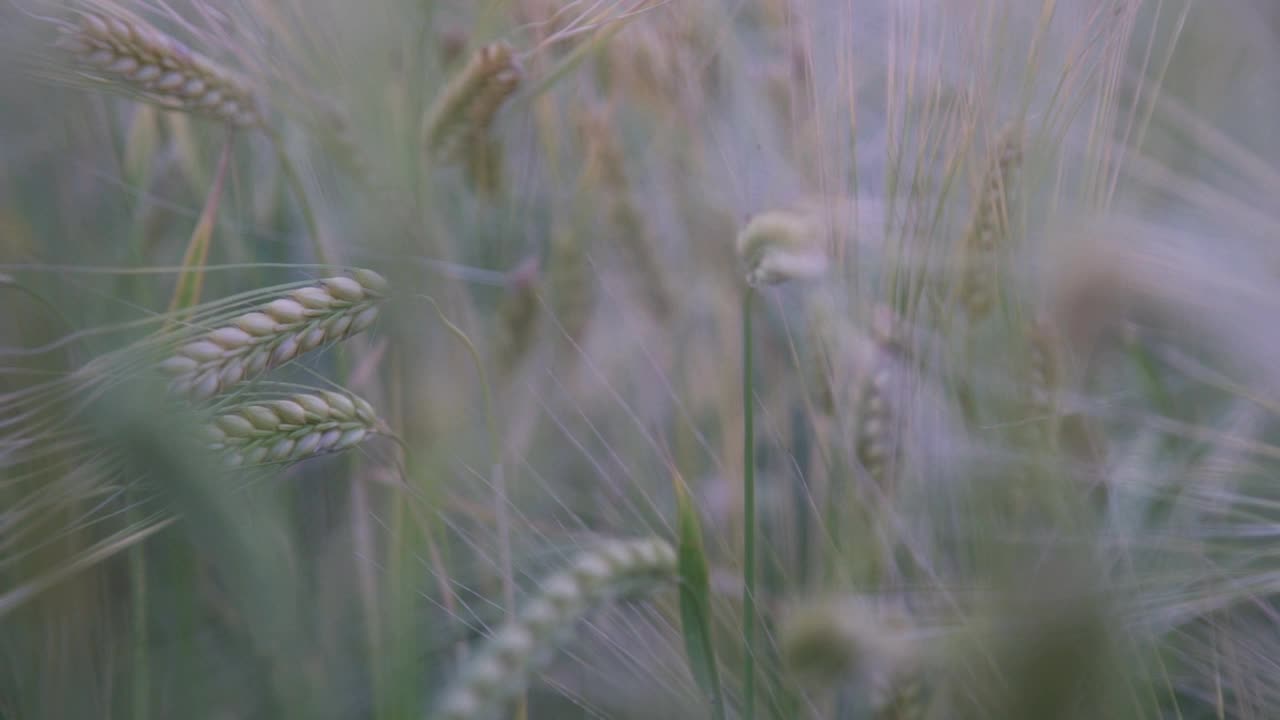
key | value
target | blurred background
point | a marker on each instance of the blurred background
(331, 332)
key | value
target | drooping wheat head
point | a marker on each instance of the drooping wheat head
(514, 653)
(294, 427)
(275, 333)
(127, 52)
(465, 109)
(989, 227)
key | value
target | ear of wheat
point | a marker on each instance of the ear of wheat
(159, 68)
(275, 333)
(292, 428)
(467, 106)
(875, 442)
(511, 656)
(989, 225)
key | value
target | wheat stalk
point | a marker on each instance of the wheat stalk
(503, 668)
(275, 333)
(875, 442)
(299, 426)
(161, 69)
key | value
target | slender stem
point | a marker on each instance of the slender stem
(748, 514)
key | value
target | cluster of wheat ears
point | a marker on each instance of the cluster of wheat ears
(878, 359)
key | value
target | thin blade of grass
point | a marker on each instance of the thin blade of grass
(695, 604)
(187, 292)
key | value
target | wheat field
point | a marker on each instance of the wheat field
(478, 359)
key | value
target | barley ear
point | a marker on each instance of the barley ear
(512, 655)
(130, 54)
(877, 424)
(988, 231)
(275, 334)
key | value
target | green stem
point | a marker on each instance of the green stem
(748, 514)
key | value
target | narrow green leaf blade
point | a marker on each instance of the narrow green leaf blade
(695, 601)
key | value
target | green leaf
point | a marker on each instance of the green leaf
(695, 601)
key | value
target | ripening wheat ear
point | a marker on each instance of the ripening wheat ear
(275, 333)
(831, 643)
(990, 224)
(572, 286)
(606, 167)
(137, 57)
(299, 426)
(468, 104)
(510, 657)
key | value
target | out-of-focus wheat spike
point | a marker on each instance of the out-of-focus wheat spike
(130, 53)
(989, 226)
(606, 167)
(503, 667)
(1044, 374)
(293, 428)
(876, 442)
(572, 286)
(468, 104)
(830, 642)
(903, 696)
(275, 333)
(335, 127)
(518, 316)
